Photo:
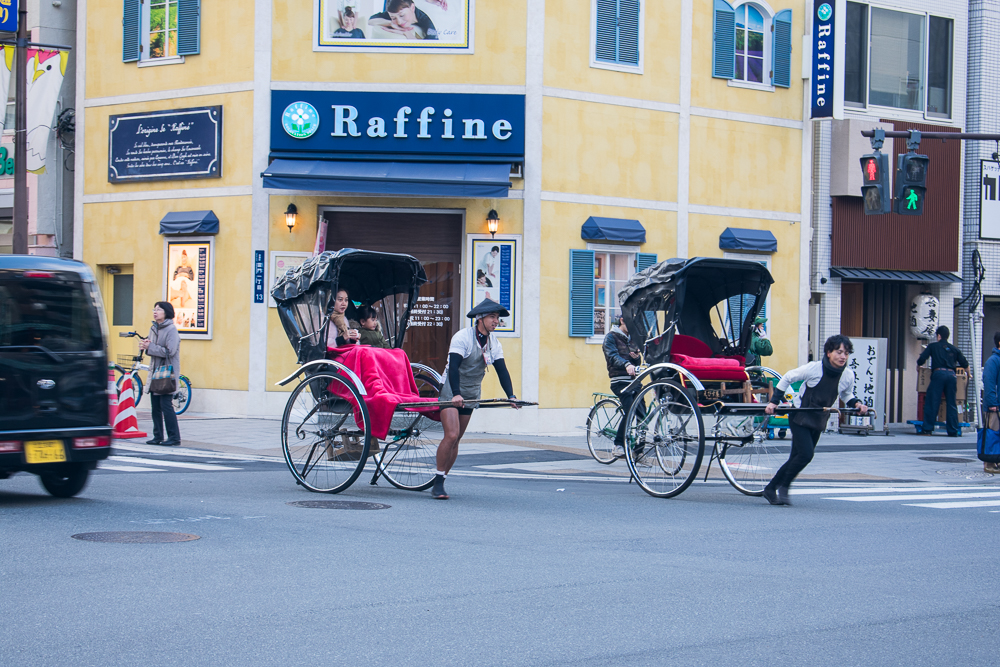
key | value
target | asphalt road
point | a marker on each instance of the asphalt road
(511, 571)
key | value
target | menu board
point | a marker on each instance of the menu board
(429, 312)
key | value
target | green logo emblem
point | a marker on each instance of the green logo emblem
(300, 120)
(824, 12)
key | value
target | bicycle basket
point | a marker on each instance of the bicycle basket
(127, 361)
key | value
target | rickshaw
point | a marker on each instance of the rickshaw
(694, 319)
(327, 426)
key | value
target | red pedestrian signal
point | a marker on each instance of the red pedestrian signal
(871, 170)
(875, 190)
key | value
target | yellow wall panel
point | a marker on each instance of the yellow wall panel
(499, 57)
(226, 52)
(613, 151)
(744, 165)
(237, 144)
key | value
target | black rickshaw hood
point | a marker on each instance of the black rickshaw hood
(373, 275)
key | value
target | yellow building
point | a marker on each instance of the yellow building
(400, 125)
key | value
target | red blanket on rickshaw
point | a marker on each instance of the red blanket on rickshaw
(388, 381)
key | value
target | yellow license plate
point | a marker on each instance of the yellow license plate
(44, 451)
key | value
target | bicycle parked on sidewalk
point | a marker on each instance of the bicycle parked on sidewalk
(130, 365)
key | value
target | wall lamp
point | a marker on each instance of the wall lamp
(493, 222)
(290, 214)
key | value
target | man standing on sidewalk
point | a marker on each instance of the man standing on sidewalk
(944, 357)
(991, 396)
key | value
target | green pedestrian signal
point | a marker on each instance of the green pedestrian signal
(911, 199)
(911, 183)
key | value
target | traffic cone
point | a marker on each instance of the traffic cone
(126, 425)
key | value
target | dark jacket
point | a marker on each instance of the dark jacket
(619, 352)
(943, 356)
(991, 376)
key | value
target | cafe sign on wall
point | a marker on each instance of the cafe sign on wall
(165, 145)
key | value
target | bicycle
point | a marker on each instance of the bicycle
(130, 365)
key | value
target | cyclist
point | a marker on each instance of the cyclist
(622, 357)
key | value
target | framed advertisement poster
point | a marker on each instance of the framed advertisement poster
(281, 261)
(386, 26)
(188, 285)
(496, 274)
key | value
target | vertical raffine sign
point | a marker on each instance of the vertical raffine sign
(44, 78)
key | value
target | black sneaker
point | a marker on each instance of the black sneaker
(154, 441)
(771, 497)
(783, 496)
(437, 491)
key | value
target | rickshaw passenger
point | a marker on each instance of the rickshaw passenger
(369, 333)
(342, 332)
(472, 350)
(621, 357)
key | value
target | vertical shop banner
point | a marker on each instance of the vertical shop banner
(43, 77)
(8, 15)
(189, 286)
(496, 266)
(393, 25)
(281, 261)
(989, 199)
(258, 276)
(828, 48)
(869, 365)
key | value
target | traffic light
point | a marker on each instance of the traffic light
(875, 188)
(911, 183)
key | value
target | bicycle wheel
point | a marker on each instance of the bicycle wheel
(325, 447)
(182, 398)
(602, 427)
(664, 447)
(409, 455)
(136, 388)
(749, 466)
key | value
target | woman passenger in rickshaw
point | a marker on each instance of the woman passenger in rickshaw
(342, 332)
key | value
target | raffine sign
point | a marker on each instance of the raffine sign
(393, 124)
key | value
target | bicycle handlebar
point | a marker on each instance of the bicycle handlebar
(131, 334)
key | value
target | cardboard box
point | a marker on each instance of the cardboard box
(924, 381)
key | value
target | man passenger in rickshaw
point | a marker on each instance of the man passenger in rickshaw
(342, 332)
(472, 350)
(824, 381)
(622, 357)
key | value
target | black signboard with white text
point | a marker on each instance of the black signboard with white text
(165, 145)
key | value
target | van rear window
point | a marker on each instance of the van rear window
(59, 315)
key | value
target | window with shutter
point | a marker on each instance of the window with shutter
(617, 34)
(188, 27)
(782, 60)
(739, 306)
(581, 293)
(723, 40)
(162, 31)
(130, 31)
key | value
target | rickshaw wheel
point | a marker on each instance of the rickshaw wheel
(664, 447)
(749, 466)
(324, 446)
(602, 427)
(409, 455)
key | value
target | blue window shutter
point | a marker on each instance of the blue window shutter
(628, 32)
(781, 61)
(130, 31)
(723, 40)
(607, 29)
(644, 260)
(581, 292)
(188, 27)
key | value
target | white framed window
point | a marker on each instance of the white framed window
(613, 266)
(753, 46)
(616, 35)
(732, 325)
(159, 31)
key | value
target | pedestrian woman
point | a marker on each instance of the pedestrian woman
(164, 349)
(824, 381)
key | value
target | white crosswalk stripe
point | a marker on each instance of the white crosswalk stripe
(138, 464)
(937, 497)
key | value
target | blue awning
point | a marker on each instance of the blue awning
(189, 222)
(613, 229)
(894, 276)
(431, 179)
(759, 240)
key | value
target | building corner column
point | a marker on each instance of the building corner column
(684, 129)
(79, 165)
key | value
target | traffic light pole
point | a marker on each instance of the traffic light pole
(943, 136)
(20, 236)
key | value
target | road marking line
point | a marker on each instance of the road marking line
(949, 506)
(923, 496)
(105, 466)
(170, 464)
(888, 489)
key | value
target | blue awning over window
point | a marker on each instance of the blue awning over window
(189, 222)
(759, 240)
(613, 229)
(432, 179)
(894, 276)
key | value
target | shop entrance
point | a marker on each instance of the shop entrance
(433, 238)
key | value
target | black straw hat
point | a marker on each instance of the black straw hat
(487, 306)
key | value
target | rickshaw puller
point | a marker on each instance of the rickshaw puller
(622, 356)
(824, 381)
(472, 350)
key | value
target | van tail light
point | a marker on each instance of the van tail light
(91, 443)
(39, 274)
(10, 446)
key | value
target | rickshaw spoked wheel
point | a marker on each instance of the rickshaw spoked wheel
(409, 455)
(749, 466)
(664, 439)
(324, 446)
(602, 428)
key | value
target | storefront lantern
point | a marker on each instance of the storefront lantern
(290, 214)
(493, 222)
(924, 313)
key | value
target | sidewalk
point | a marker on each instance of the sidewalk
(899, 457)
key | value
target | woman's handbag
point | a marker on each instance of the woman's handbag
(162, 381)
(988, 442)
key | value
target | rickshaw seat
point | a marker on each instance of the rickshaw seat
(696, 356)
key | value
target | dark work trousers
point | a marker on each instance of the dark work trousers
(626, 399)
(941, 381)
(163, 413)
(804, 441)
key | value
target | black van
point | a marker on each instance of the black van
(53, 372)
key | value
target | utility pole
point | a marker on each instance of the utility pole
(20, 240)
